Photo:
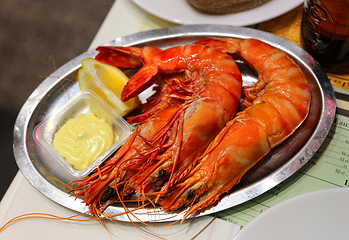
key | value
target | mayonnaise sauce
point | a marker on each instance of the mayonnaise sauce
(83, 139)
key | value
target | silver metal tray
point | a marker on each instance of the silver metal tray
(277, 166)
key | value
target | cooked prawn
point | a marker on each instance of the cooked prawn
(275, 107)
(201, 87)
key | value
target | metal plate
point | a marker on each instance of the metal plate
(277, 166)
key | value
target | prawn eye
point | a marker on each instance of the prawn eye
(109, 192)
(162, 174)
(190, 194)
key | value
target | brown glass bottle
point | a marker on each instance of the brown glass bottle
(325, 33)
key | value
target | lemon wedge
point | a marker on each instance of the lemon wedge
(107, 82)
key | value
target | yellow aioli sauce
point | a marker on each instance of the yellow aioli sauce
(83, 139)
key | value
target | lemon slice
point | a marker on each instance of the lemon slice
(107, 82)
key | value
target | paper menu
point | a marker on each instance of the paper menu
(329, 167)
(286, 26)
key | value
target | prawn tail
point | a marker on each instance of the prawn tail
(126, 57)
(227, 45)
(112, 56)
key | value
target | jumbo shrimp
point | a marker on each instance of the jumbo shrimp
(166, 144)
(275, 107)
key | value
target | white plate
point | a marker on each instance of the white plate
(322, 214)
(181, 12)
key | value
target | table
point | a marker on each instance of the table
(22, 198)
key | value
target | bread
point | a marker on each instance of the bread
(225, 6)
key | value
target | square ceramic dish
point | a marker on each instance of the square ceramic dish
(84, 102)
